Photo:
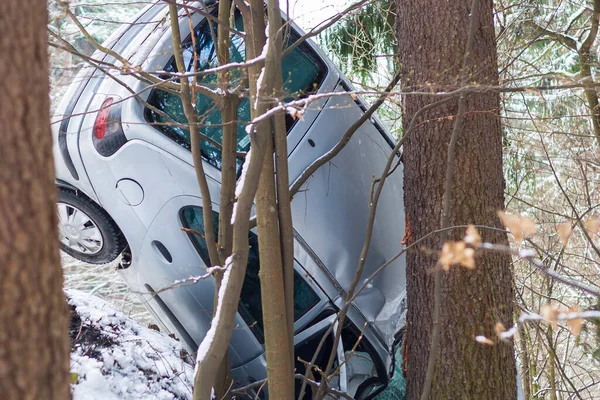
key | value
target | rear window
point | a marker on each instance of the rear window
(303, 72)
(250, 306)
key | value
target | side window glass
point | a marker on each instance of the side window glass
(250, 306)
(303, 72)
(305, 351)
(193, 219)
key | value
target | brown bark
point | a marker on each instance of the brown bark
(218, 381)
(432, 40)
(286, 230)
(272, 287)
(277, 351)
(284, 202)
(229, 142)
(34, 344)
(585, 62)
(191, 115)
(228, 174)
(525, 360)
(212, 351)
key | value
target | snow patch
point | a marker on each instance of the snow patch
(261, 76)
(526, 253)
(240, 184)
(210, 335)
(113, 357)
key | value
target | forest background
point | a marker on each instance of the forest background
(548, 66)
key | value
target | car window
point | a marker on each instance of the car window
(250, 306)
(303, 72)
(307, 350)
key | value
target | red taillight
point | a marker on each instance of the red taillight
(100, 124)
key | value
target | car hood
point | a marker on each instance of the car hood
(331, 211)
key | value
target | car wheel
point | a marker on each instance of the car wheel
(86, 231)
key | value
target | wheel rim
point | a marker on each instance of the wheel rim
(77, 230)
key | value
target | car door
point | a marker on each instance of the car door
(171, 255)
(136, 180)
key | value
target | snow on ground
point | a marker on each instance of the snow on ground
(114, 357)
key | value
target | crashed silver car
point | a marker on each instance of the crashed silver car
(127, 186)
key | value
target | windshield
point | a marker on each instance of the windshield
(303, 72)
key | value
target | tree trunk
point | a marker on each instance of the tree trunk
(277, 337)
(277, 350)
(432, 38)
(585, 63)
(214, 346)
(34, 344)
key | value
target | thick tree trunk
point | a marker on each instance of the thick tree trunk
(432, 36)
(34, 344)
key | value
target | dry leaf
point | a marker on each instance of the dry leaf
(527, 226)
(483, 340)
(550, 314)
(472, 237)
(592, 226)
(468, 258)
(446, 256)
(511, 222)
(499, 329)
(520, 227)
(354, 96)
(457, 253)
(576, 324)
(564, 231)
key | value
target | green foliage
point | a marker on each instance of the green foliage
(363, 37)
(363, 45)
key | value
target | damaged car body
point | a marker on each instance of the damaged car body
(126, 182)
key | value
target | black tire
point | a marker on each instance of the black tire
(112, 241)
